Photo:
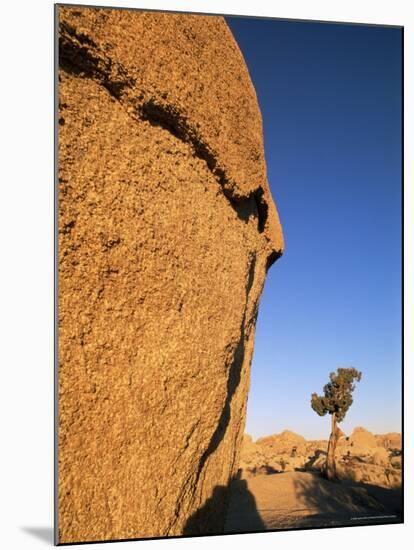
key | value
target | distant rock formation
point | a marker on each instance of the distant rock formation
(252, 458)
(166, 231)
(276, 453)
(362, 439)
(363, 456)
(391, 440)
(285, 438)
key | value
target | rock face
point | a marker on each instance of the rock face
(282, 442)
(166, 231)
(284, 452)
(252, 458)
(384, 475)
(391, 440)
(362, 439)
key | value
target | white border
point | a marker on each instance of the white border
(26, 289)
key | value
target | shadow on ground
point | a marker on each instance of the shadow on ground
(347, 502)
(242, 514)
(213, 513)
(45, 534)
(295, 500)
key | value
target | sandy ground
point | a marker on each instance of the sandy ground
(304, 499)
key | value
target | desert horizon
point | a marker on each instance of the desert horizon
(320, 431)
(381, 433)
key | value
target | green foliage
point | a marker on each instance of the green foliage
(337, 396)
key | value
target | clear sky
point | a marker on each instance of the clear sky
(330, 97)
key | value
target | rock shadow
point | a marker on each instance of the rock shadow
(209, 519)
(214, 517)
(315, 458)
(243, 515)
(347, 501)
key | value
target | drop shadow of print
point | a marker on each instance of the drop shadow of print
(44, 534)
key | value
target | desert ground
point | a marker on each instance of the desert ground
(280, 483)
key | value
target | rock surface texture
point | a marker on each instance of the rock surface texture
(166, 231)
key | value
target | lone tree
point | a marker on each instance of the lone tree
(336, 401)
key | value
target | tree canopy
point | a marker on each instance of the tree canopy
(337, 396)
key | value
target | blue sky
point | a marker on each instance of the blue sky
(330, 97)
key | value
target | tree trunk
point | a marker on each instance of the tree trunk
(330, 459)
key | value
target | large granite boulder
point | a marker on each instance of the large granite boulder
(286, 442)
(252, 459)
(166, 231)
(361, 442)
(369, 473)
(391, 440)
(276, 453)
